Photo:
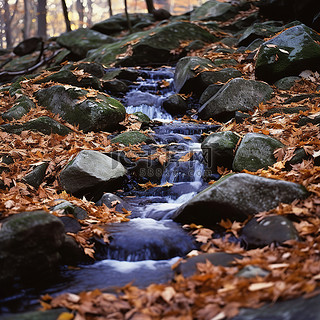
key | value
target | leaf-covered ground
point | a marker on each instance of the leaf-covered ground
(214, 292)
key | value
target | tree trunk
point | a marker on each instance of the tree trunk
(80, 10)
(27, 19)
(42, 19)
(89, 14)
(7, 24)
(127, 15)
(65, 14)
(150, 6)
(110, 8)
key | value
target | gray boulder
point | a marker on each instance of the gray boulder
(150, 47)
(21, 107)
(90, 113)
(175, 104)
(236, 95)
(236, 197)
(271, 229)
(186, 72)
(36, 176)
(255, 152)
(29, 246)
(113, 201)
(218, 149)
(292, 51)
(45, 125)
(91, 173)
(80, 41)
(213, 10)
(286, 83)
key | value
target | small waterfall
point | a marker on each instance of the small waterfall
(144, 95)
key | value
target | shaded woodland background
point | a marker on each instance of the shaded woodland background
(22, 19)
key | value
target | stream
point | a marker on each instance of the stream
(143, 249)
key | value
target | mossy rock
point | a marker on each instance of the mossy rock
(89, 113)
(80, 41)
(45, 125)
(256, 151)
(21, 107)
(132, 137)
(143, 118)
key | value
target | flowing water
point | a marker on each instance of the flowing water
(143, 250)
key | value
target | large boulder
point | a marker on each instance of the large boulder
(236, 95)
(269, 230)
(218, 149)
(119, 22)
(213, 10)
(128, 138)
(236, 197)
(255, 151)
(75, 106)
(294, 50)
(91, 173)
(152, 46)
(29, 246)
(80, 41)
(186, 72)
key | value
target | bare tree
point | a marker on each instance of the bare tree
(42, 18)
(89, 14)
(127, 15)
(26, 19)
(80, 10)
(110, 8)
(150, 6)
(8, 20)
(65, 14)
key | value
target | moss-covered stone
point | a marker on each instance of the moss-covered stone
(80, 41)
(142, 117)
(68, 77)
(286, 83)
(132, 137)
(43, 124)
(218, 149)
(236, 197)
(255, 152)
(90, 113)
(21, 107)
(292, 51)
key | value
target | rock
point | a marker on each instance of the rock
(70, 224)
(113, 201)
(71, 252)
(28, 46)
(175, 104)
(286, 83)
(260, 31)
(145, 170)
(35, 315)
(67, 208)
(271, 229)
(161, 14)
(236, 95)
(143, 118)
(287, 110)
(294, 309)
(236, 197)
(36, 176)
(69, 77)
(91, 172)
(209, 92)
(289, 10)
(213, 10)
(251, 271)
(186, 72)
(218, 149)
(128, 138)
(255, 152)
(118, 22)
(189, 267)
(95, 69)
(21, 107)
(115, 86)
(294, 50)
(145, 239)
(43, 124)
(153, 46)
(30, 244)
(81, 40)
(230, 62)
(92, 114)
(21, 63)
